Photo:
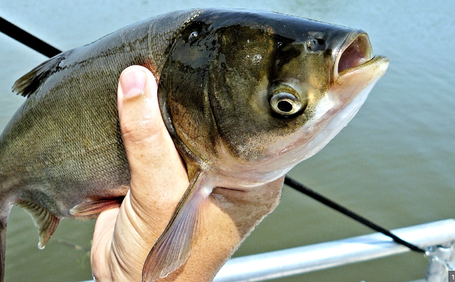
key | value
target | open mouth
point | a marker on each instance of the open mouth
(354, 54)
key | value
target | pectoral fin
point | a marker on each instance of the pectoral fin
(173, 247)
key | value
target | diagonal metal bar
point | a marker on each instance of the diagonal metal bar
(27, 39)
(320, 198)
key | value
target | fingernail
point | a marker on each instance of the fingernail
(133, 82)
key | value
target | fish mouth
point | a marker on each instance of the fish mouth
(355, 52)
(355, 72)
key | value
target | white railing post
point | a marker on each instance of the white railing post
(442, 259)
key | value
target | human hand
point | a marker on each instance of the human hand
(124, 236)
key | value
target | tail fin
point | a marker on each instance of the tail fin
(5, 209)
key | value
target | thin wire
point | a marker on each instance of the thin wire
(322, 199)
(50, 51)
(27, 39)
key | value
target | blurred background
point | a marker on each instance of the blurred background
(394, 163)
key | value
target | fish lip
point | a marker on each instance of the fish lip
(355, 52)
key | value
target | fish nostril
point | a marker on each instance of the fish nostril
(357, 53)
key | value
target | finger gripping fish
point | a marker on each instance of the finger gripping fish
(245, 95)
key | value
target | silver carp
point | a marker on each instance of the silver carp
(245, 95)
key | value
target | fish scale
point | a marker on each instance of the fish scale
(245, 96)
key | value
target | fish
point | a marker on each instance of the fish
(245, 95)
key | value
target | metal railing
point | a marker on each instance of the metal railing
(321, 256)
(436, 236)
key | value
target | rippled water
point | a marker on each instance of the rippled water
(394, 163)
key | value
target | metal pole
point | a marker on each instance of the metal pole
(331, 254)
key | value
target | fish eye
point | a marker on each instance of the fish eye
(285, 104)
(193, 36)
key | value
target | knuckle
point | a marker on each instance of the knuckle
(137, 130)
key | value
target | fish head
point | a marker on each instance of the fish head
(251, 94)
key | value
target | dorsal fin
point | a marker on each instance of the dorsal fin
(31, 81)
(44, 219)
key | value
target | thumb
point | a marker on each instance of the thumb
(138, 107)
(158, 180)
(154, 162)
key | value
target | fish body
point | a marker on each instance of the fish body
(245, 95)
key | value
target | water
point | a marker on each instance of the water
(394, 163)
